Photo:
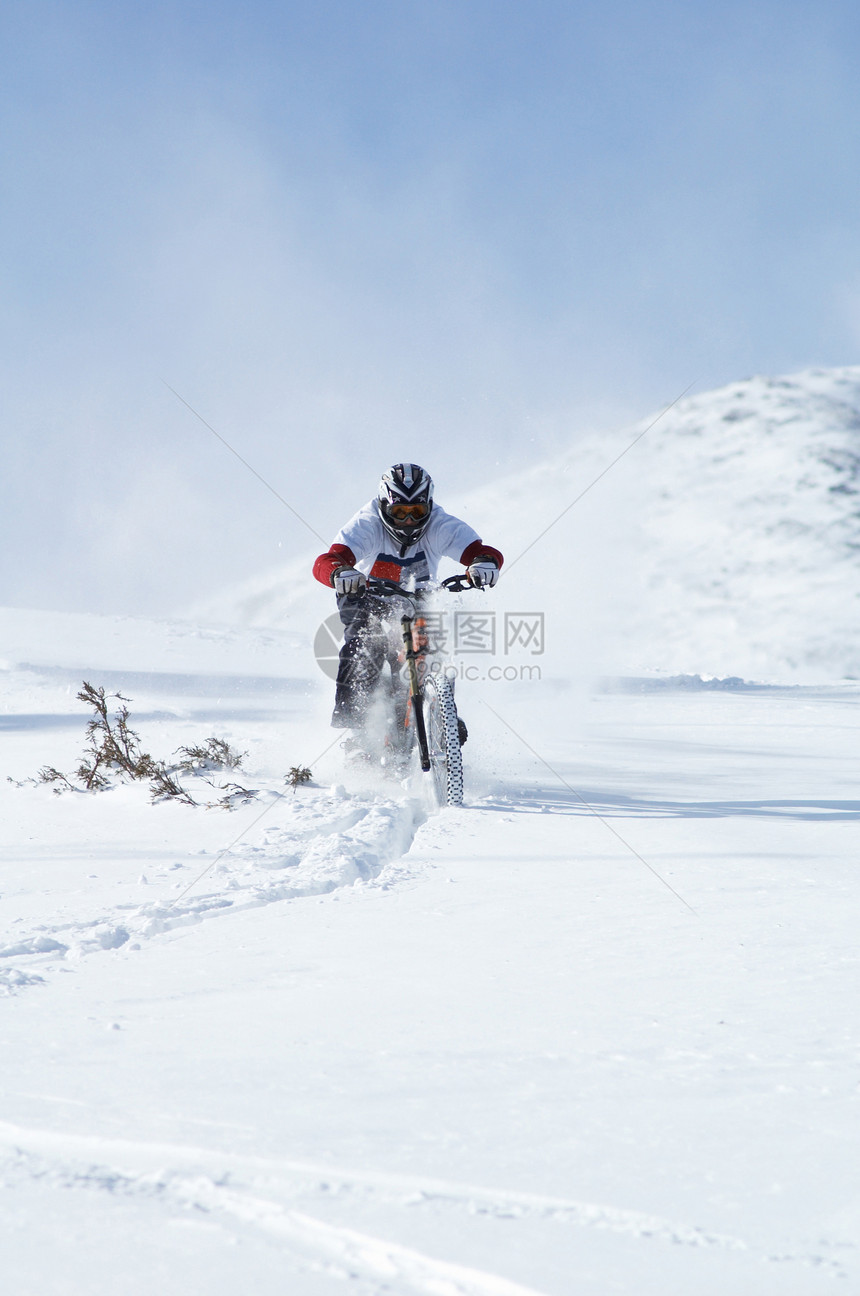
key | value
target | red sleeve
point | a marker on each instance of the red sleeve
(477, 550)
(328, 563)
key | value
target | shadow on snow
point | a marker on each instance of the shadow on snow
(610, 805)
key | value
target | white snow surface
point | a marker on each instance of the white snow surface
(595, 1032)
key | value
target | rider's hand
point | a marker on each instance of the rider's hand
(482, 574)
(347, 580)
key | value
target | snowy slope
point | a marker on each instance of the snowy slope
(595, 1032)
(592, 1033)
(725, 542)
(753, 528)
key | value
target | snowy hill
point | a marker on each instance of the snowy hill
(752, 528)
(725, 542)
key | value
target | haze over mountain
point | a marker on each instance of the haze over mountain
(724, 542)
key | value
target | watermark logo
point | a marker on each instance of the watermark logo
(474, 632)
(327, 641)
(524, 630)
(455, 640)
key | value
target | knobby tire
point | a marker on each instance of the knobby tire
(443, 739)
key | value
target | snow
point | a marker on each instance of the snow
(728, 537)
(594, 1032)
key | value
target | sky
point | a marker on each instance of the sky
(465, 232)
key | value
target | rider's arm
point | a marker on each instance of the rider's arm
(354, 543)
(329, 564)
(477, 551)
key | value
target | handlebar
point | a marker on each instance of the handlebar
(459, 582)
(454, 584)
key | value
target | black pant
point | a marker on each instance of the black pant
(368, 644)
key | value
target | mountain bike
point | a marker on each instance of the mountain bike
(422, 710)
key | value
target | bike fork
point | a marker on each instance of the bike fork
(415, 692)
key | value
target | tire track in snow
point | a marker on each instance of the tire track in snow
(359, 1253)
(346, 1253)
(310, 1177)
(192, 1177)
(326, 841)
(12, 980)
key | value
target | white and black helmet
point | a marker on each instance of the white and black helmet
(405, 502)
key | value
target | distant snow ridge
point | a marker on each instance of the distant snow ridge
(726, 542)
(751, 532)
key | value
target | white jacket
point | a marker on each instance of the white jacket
(376, 554)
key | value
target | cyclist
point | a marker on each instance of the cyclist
(399, 536)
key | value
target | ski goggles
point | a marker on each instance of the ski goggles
(403, 512)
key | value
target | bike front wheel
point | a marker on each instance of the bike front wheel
(443, 739)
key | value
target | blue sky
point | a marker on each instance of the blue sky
(351, 232)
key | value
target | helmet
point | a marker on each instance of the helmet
(405, 502)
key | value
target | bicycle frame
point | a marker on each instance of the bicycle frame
(438, 752)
